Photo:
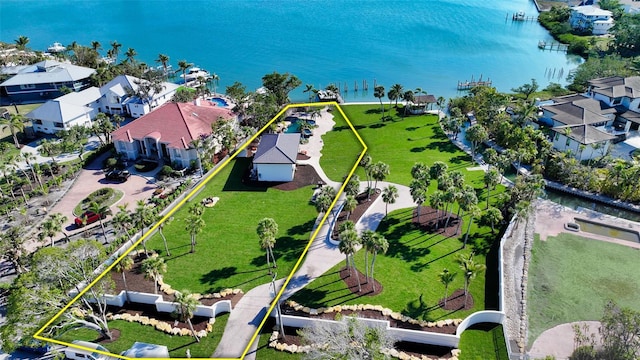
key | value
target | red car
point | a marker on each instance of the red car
(89, 217)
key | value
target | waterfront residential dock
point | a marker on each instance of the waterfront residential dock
(467, 85)
(328, 95)
(552, 46)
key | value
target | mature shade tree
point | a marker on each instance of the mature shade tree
(267, 231)
(446, 278)
(597, 67)
(389, 196)
(124, 265)
(103, 127)
(378, 92)
(626, 33)
(527, 89)
(154, 267)
(280, 85)
(102, 210)
(15, 123)
(476, 134)
(186, 305)
(346, 338)
(12, 247)
(492, 216)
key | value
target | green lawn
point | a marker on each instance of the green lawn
(132, 332)
(341, 148)
(483, 342)
(400, 143)
(408, 272)
(227, 253)
(571, 279)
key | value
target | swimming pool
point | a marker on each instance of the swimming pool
(219, 101)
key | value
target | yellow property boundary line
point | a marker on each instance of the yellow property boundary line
(187, 198)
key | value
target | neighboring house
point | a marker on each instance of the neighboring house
(118, 97)
(580, 124)
(621, 93)
(43, 80)
(592, 18)
(275, 158)
(166, 133)
(79, 108)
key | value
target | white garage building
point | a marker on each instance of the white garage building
(275, 158)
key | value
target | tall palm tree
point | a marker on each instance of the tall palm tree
(186, 306)
(473, 212)
(378, 92)
(161, 226)
(28, 158)
(469, 270)
(183, 65)
(122, 267)
(380, 245)
(143, 217)
(379, 172)
(164, 61)
(446, 278)
(131, 54)
(49, 148)
(436, 200)
(350, 204)
(102, 210)
(115, 48)
(408, 97)
(491, 180)
(15, 123)
(21, 42)
(492, 216)
(195, 225)
(215, 81)
(50, 228)
(398, 91)
(418, 194)
(367, 238)
(348, 244)
(310, 90)
(95, 45)
(389, 196)
(267, 231)
(153, 268)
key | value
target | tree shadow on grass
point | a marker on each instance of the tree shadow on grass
(301, 229)
(287, 248)
(238, 178)
(346, 127)
(418, 309)
(442, 146)
(419, 266)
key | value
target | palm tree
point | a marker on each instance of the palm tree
(143, 217)
(186, 306)
(195, 225)
(161, 226)
(470, 270)
(15, 123)
(492, 216)
(398, 91)
(350, 204)
(50, 228)
(348, 244)
(115, 48)
(446, 278)
(473, 212)
(408, 97)
(122, 267)
(379, 172)
(368, 243)
(102, 211)
(389, 196)
(267, 230)
(183, 65)
(436, 199)
(49, 148)
(122, 220)
(164, 61)
(131, 54)
(21, 42)
(440, 102)
(380, 245)
(378, 92)
(476, 134)
(491, 179)
(311, 90)
(95, 45)
(418, 194)
(153, 268)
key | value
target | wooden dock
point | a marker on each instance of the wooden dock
(552, 46)
(468, 85)
(520, 16)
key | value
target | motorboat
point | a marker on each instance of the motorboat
(56, 48)
(194, 73)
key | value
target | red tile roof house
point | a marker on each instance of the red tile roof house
(167, 132)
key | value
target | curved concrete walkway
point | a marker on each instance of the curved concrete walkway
(559, 341)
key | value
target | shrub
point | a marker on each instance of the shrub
(166, 170)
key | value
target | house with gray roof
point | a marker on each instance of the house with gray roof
(620, 93)
(76, 108)
(581, 124)
(275, 157)
(43, 80)
(119, 96)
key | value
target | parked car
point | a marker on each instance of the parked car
(81, 354)
(90, 217)
(117, 175)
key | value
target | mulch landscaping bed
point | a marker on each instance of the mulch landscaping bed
(456, 301)
(356, 214)
(305, 175)
(433, 221)
(366, 286)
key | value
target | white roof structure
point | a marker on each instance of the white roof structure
(121, 83)
(81, 98)
(57, 111)
(49, 71)
(590, 10)
(145, 350)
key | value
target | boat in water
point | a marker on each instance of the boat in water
(56, 48)
(194, 73)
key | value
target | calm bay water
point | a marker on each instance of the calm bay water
(429, 44)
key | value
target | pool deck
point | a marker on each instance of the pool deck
(552, 217)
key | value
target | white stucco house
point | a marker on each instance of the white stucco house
(591, 17)
(117, 98)
(167, 132)
(275, 157)
(580, 124)
(76, 108)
